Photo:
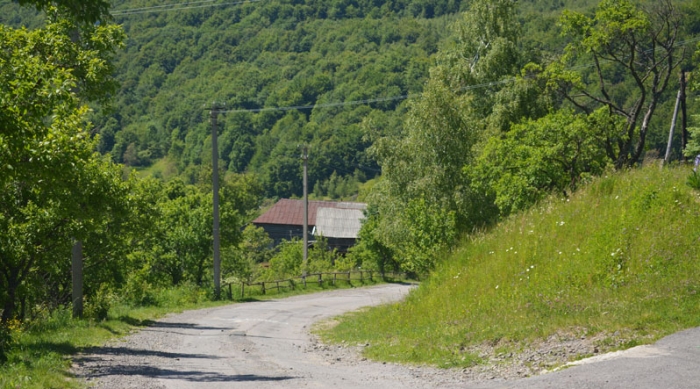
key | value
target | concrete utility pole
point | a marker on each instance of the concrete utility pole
(77, 271)
(215, 184)
(684, 114)
(667, 158)
(305, 158)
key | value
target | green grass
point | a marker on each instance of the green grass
(620, 255)
(41, 351)
(163, 168)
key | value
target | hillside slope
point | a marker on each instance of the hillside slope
(617, 261)
(261, 55)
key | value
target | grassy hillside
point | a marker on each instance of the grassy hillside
(621, 256)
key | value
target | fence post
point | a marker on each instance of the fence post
(230, 292)
(320, 279)
(303, 278)
(370, 275)
(335, 275)
(362, 279)
(242, 289)
(263, 287)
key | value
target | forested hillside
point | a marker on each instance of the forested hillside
(262, 55)
(277, 53)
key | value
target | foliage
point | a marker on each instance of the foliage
(553, 153)
(54, 189)
(243, 262)
(83, 11)
(42, 346)
(617, 257)
(287, 262)
(264, 55)
(423, 168)
(634, 52)
(693, 180)
(98, 305)
(177, 247)
(369, 252)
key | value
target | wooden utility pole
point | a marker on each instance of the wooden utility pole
(215, 189)
(77, 271)
(305, 158)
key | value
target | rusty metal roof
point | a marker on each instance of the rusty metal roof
(291, 212)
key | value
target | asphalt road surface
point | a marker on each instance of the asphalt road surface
(268, 345)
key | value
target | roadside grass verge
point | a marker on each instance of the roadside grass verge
(617, 259)
(40, 351)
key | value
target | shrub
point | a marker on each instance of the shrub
(97, 306)
(694, 180)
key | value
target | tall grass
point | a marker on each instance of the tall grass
(620, 255)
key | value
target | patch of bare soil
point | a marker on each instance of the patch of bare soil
(500, 361)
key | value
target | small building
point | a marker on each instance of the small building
(339, 222)
(340, 226)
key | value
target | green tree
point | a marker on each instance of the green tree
(83, 11)
(243, 262)
(424, 167)
(52, 186)
(633, 52)
(553, 153)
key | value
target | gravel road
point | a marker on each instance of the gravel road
(268, 345)
(253, 345)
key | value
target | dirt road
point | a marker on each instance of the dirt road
(268, 345)
(253, 345)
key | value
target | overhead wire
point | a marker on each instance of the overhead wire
(409, 96)
(178, 7)
(210, 3)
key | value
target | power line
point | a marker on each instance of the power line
(178, 7)
(409, 96)
(163, 6)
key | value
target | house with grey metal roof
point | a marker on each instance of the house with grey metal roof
(338, 222)
(340, 226)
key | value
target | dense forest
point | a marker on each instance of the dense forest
(259, 56)
(450, 115)
(254, 58)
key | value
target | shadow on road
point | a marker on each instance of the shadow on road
(188, 375)
(98, 353)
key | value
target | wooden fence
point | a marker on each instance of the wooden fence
(314, 278)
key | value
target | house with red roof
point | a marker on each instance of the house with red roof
(338, 222)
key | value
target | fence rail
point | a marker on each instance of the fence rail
(317, 278)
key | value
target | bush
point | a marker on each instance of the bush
(5, 341)
(97, 307)
(694, 180)
(138, 291)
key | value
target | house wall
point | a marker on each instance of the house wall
(279, 232)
